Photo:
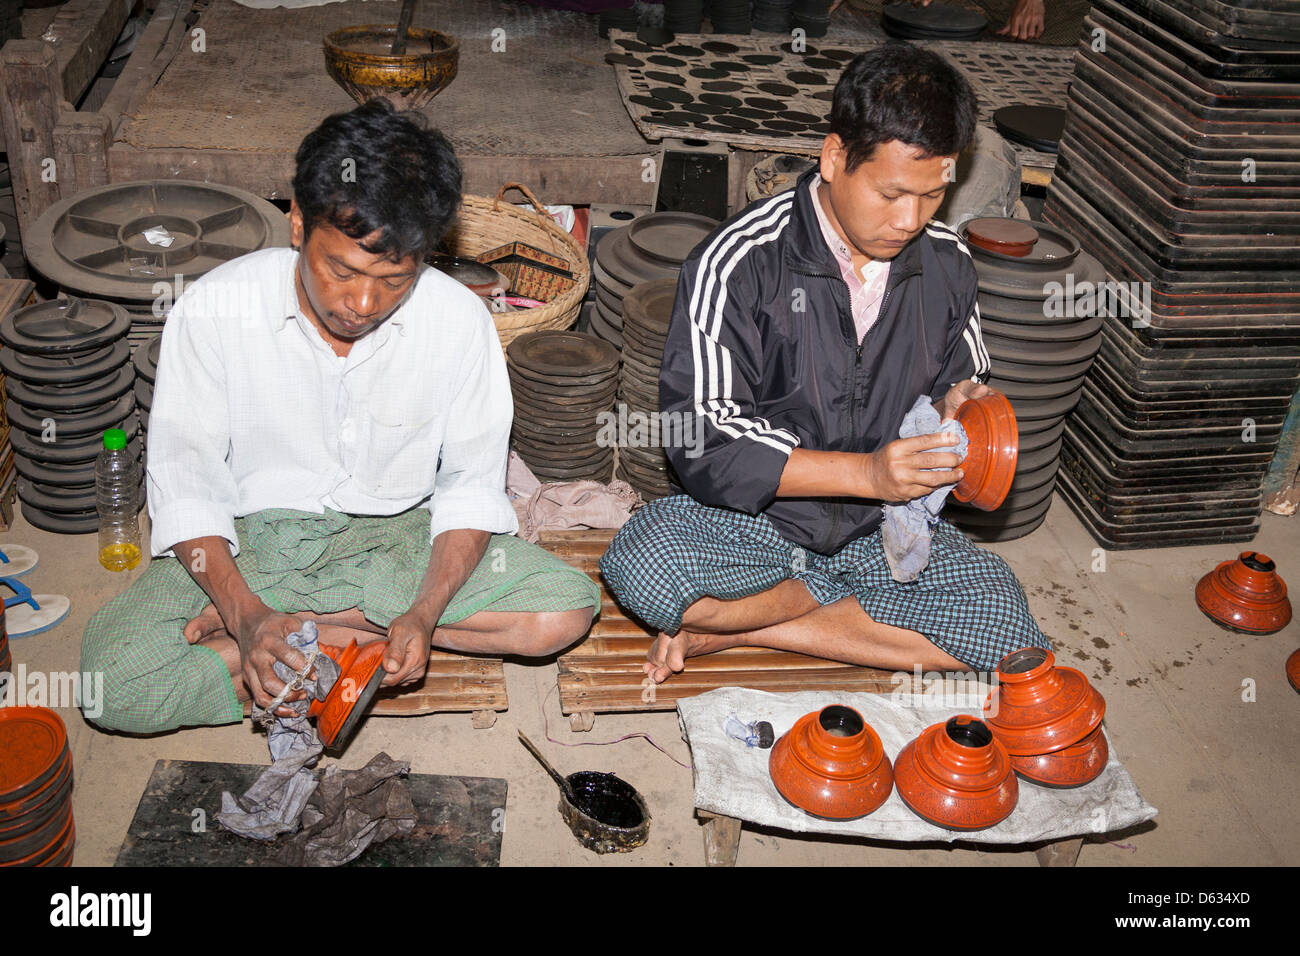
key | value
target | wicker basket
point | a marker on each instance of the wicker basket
(484, 224)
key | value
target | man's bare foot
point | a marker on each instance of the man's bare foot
(207, 624)
(667, 655)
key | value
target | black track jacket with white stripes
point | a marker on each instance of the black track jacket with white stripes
(762, 356)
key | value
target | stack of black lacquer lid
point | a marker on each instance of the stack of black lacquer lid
(1040, 330)
(69, 378)
(1179, 169)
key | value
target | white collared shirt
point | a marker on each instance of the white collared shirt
(253, 410)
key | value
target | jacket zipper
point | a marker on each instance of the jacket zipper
(837, 505)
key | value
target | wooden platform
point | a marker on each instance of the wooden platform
(603, 673)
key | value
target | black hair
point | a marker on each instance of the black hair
(903, 92)
(375, 169)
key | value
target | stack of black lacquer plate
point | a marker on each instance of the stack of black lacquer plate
(772, 16)
(730, 16)
(69, 377)
(1179, 168)
(683, 16)
(564, 385)
(938, 21)
(1041, 330)
(812, 16)
(146, 372)
(642, 458)
(652, 247)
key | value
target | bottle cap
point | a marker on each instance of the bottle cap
(114, 438)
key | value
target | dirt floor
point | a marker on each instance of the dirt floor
(1218, 766)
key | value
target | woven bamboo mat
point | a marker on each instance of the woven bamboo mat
(261, 83)
(755, 91)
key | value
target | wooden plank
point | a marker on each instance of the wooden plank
(624, 693)
(81, 142)
(161, 40)
(14, 294)
(557, 179)
(735, 660)
(82, 34)
(29, 111)
(264, 174)
(735, 677)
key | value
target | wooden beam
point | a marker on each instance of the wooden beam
(30, 103)
(555, 179)
(162, 38)
(81, 142)
(81, 35)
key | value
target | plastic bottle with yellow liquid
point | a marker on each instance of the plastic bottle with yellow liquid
(117, 489)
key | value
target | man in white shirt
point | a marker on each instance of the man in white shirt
(328, 441)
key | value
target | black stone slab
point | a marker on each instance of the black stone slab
(461, 820)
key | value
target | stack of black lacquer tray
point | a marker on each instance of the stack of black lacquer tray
(642, 458)
(1180, 170)
(563, 385)
(1041, 330)
(69, 377)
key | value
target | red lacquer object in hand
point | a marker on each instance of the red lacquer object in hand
(1245, 595)
(360, 675)
(831, 764)
(957, 776)
(994, 447)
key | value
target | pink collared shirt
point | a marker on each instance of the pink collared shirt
(866, 291)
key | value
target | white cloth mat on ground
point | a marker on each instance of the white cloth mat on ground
(732, 779)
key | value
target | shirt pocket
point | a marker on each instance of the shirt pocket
(398, 460)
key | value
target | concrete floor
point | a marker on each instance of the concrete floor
(1221, 769)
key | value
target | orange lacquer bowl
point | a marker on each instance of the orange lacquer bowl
(831, 764)
(1245, 595)
(1040, 708)
(957, 776)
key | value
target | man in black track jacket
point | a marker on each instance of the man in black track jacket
(803, 331)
